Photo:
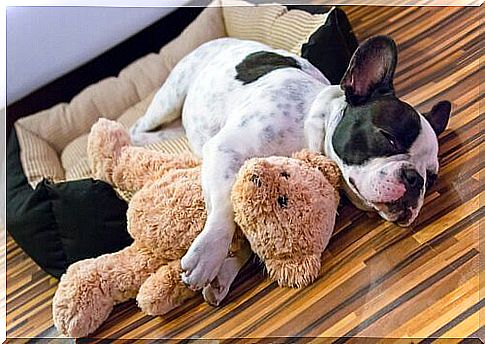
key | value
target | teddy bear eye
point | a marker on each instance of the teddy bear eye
(285, 174)
(283, 201)
(255, 179)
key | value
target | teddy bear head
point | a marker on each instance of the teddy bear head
(286, 208)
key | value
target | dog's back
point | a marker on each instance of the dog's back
(209, 82)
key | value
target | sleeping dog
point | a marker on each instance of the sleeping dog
(242, 99)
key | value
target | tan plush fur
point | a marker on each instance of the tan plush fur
(289, 239)
(285, 207)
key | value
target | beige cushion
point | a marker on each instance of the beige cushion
(271, 24)
(38, 158)
(247, 21)
(44, 136)
(53, 142)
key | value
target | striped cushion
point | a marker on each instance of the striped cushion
(292, 30)
(271, 24)
(246, 21)
(39, 160)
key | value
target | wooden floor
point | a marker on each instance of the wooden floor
(378, 280)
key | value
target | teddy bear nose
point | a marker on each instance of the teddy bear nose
(285, 174)
(255, 179)
(283, 201)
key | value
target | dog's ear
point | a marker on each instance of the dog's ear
(438, 116)
(371, 70)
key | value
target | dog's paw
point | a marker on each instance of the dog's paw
(137, 132)
(215, 292)
(202, 262)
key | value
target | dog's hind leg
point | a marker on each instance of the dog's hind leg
(166, 106)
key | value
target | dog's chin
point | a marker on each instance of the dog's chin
(391, 211)
(403, 217)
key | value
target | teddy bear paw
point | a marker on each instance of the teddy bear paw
(105, 142)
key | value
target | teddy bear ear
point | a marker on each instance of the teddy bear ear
(328, 167)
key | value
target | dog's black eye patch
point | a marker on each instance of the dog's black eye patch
(260, 63)
(380, 128)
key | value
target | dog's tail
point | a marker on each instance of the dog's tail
(166, 106)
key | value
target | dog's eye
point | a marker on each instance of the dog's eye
(285, 175)
(283, 201)
(430, 179)
(396, 145)
(392, 140)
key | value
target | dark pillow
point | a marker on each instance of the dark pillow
(332, 45)
(57, 224)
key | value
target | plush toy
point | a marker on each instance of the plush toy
(285, 207)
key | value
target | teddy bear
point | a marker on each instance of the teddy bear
(284, 208)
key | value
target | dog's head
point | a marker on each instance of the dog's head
(387, 150)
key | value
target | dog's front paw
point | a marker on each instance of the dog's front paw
(202, 261)
(215, 292)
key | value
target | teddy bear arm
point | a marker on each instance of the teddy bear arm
(105, 142)
(139, 166)
(90, 288)
(164, 290)
(114, 160)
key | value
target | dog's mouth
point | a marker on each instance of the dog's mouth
(400, 211)
(397, 212)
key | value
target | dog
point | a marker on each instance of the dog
(242, 99)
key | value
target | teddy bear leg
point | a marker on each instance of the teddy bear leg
(90, 288)
(164, 290)
(218, 289)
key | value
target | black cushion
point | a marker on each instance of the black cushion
(57, 224)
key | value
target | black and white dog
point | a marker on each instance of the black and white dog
(242, 99)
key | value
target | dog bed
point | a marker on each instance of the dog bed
(55, 211)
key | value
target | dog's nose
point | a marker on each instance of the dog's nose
(411, 179)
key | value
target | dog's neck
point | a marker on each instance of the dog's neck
(325, 113)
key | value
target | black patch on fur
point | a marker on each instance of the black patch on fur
(260, 63)
(430, 179)
(382, 127)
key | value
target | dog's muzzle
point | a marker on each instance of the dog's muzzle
(401, 211)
